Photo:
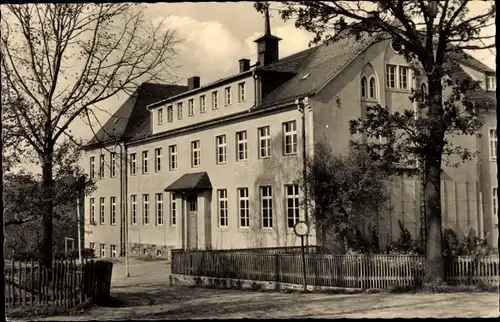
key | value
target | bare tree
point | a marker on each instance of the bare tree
(431, 34)
(58, 60)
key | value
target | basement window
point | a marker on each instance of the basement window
(306, 76)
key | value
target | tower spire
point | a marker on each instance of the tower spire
(267, 21)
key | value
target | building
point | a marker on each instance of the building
(214, 166)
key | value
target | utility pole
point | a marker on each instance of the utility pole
(301, 107)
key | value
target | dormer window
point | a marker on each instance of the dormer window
(170, 113)
(179, 111)
(491, 83)
(160, 116)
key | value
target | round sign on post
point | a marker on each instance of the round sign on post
(301, 228)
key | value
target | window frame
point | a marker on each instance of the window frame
(92, 211)
(364, 87)
(191, 107)
(145, 159)
(267, 139)
(112, 249)
(220, 211)
(492, 82)
(291, 133)
(102, 210)
(179, 110)
(266, 212)
(492, 143)
(170, 113)
(145, 209)
(133, 164)
(243, 212)
(296, 205)
(160, 116)
(112, 210)
(494, 202)
(158, 158)
(215, 100)
(401, 78)
(112, 157)
(159, 209)
(92, 167)
(241, 92)
(102, 250)
(388, 74)
(102, 162)
(241, 142)
(372, 91)
(219, 146)
(227, 96)
(133, 209)
(172, 157)
(195, 154)
(203, 104)
(173, 210)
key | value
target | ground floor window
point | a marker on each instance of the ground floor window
(292, 205)
(266, 204)
(222, 205)
(103, 250)
(113, 250)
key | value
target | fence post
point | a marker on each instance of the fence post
(277, 269)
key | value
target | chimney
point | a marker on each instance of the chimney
(193, 82)
(244, 65)
(267, 45)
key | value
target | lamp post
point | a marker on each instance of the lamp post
(301, 107)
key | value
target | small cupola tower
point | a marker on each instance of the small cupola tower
(267, 45)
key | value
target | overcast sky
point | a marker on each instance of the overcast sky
(216, 35)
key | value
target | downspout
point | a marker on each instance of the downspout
(122, 228)
(125, 203)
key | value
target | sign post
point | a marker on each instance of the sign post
(301, 229)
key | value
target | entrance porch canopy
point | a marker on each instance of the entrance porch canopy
(191, 182)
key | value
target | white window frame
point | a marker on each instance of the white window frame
(145, 159)
(160, 116)
(102, 250)
(491, 83)
(227, 96)
(222, 221)
(221, 149)
(102, 209)
(402, 76)
(364, 87)
(133, 164)
(264, 135)
(241, 146)
(92, 210)
(191, 107)
(243, 208)
(170, 113)
(203, 104)
(158, 156)
(112, 157)
(494, 202)
(92, 167)
(145, 209)
(173, 210)
(294, 196)
(492, 139)
(112, 211)
(102, 162)
(159, 209)
(266, 206)
(179, 111)
(292, 133)
(372, 94)
(241, 91)
(172, 157)
(215, 100)
(133, 209)
(388, 76)
(195, 153)
(113, 250)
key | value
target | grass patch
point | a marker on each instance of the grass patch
(48, 310)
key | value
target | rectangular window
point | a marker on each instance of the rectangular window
(403, 77)
(158, 159)
(292, 205)
(145, 162)
(159, 208)
(220, 142)
(227, 95)
(92, 211)
(101, 166)
(491, 83)
(222, 207)
(264, 142)
(160, 116)
(243, 207)
(92, 246)
(179, 111)
(494, 202)
(391, 76)
(133, 209)
(112, 157)
(102, 248)
(203, 104)
(113, 250)
(215, 100)
(191, 107)
(172, 209)
(101, 211)
(195, 153)
(241, 92)
(493, 144)
(170, 114)
(112, 211)
(145, 209)
(172, 156)
(290, 138)
(133, 164)
(266, 204)
(241, 146)
(92, 167)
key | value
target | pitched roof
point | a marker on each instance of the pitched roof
(191, 181)
(470, 61)
(133, 114)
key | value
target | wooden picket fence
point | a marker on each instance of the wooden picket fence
(353, 271)
(67, 283)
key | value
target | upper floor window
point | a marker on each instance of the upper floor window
(403, 77)
(292, 205)
(363, 86)
(92, 167)
(112, 157)
(101, 166)
(493, 144)
(158, 159)
(264, 142)
(203, 106)
(220, 142)
(241, 92)
(391, 76)
(423, 92)
(133, 164)
(191, 107)
(373, 88)
(170, 113)
(227, 94)
(195, 153)
(396, 45)
(145, 162)
(215, 100)
(179, 111)
(172, 151)
(290, 137)
(241, 146)
(491, 83)
(160, 116)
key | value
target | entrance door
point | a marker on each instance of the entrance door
(192, 222)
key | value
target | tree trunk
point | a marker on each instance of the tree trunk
(48, 207)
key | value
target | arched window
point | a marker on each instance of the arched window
(423, 92)
(363, 86)
(373, 88)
